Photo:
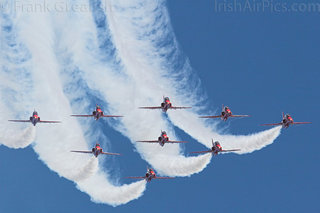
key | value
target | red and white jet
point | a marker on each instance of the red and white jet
(216, 148)
(150, 175)
(165, 105)
(225, 114)
(162, 139)
(97, 150)
(98, 113)
(286, 122)
(34, 119)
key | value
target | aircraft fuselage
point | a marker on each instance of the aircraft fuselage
(286, 121)
(96, 150)
(166, 104)
(216, 148)
(163, 138)
(149, 175)
(98, 113)
(34, 118)
(225, 114)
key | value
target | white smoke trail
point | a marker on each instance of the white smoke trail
(18, 138)
(87, 171)
(55, 141)
(102, 191)
(190, 123)
(139, 30)
(143, 37)
(179, 165)
(124, 97)
(15, 85)
(251, 142)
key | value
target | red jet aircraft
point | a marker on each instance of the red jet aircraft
(34, 119)
(162, 139)
(150, 175)
(98, 113)
(286, 122)
(216, 148)
(225, 114)
(165, 105)
(97, 150)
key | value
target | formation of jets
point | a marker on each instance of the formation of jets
(163, 138)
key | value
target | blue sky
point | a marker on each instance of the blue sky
(256, 63)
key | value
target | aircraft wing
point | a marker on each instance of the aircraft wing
(19, 120)
(301, 123)
(239, 116)
(203, 151)
(148, 141)
(82, 115)
(158, 107)
(275, 124)
(180, 107)
(112, 116)
(214, 116)
(230, 150)
(49, 121)
(176, 142)
(109, 153)
(163, 177)
(82, 151)
(136, 177)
